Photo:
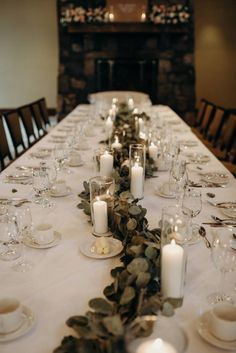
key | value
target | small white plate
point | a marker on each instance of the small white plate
(40, 155)
(216, 178)
(28, 323)
(76, 164)
(160, 192)
(202, 328)
(88, 249)
(188, 143)
(198, 158)
(32, 244)
(61, 194)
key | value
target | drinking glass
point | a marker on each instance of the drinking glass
(223, 255)
(60, 156)
(10, 248)
(191, 206)
(24, 224)
(41, 186)
(177, 172)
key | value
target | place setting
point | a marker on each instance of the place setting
(19, 177)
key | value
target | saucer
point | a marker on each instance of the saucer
(40, 154)
(188, 143)
(32, 244)
(60, 194)
(202, 328)
(29, 320)
(160, 192)
(88, 249)
(198, 157)
(229, 212)
(216, 178)
(76, 164)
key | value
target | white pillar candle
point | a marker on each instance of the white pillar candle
(135, 111)
(141, 124)
(137, 181)
(108, 127)
(172, 262)
(116, 145)
(131, 103)
(156, 346)
(106, 164)
(143, 17)
(100, 216)
(152, 151)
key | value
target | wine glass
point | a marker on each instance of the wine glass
(41, 186)
(24, 224)
(191, 206)
(223, 254)
(177, 172)
(10, 248)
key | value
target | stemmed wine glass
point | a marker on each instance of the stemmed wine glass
(191, 206)
(24, 225)
(223, 254)
(43, 179)
(177, 172)
(10, 248)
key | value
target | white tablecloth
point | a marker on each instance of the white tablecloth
(63, 280)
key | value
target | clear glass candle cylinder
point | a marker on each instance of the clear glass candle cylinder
(102, 204)
(137, 159)
(174, 232)
(103, 161)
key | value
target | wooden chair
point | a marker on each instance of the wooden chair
(44, 111)
(215, 127)
(13, 123)
(200, 112)
(226, 139)
(35, 108)
(4, 147)
(27, 120)
(201, 131)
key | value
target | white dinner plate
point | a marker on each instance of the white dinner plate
(29, 320)
(203, 330)
(229, 212)
(60, 194)
(198, 157)
(215, 177)
(32, 244)
(159, 191)
(88, 249)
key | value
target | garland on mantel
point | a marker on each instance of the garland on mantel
(135, 290)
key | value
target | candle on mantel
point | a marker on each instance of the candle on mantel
(111, 17)
(106, 164)
(108, 127)
(137, 181)
(130, 103)
(172, 263)
(141, 124)
(112, 113)
(100, 216)
(116, 145)
(152, 151)
(143, 17)
(156, 346)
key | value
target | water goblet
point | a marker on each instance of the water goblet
(177, 172)
(10, 248)
(191, 206)
(24, 224)
(41, 186)
(223, 256)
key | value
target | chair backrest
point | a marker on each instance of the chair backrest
(44, 111)
(4, 147)
(27, 120)
(228, 133)
(13, 124)
(38, 118)
(207, 117)
(216, 124)
(200, 112)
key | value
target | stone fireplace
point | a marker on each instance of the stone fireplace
(155, 59)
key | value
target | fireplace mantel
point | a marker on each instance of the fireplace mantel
(119, 27)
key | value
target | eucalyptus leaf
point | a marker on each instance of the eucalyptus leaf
(127, 296)
(151, 252)
(134, 210)
(132, 224)
(167, 309)
(143, 279)
(138, 265)
(114, 325)
(101, 305)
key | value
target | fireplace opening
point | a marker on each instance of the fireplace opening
(128, 75)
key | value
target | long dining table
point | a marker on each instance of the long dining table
(63, 279)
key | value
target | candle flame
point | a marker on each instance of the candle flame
(116, 139)
(173, 242)
(157, 344)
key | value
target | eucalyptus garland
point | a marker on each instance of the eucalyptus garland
(119, 315)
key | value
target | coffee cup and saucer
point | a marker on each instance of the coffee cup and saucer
(60, 189)
(15, 319)
(218, 326)
(43, 237)
(75, 159)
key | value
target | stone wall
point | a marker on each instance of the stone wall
(173, 48)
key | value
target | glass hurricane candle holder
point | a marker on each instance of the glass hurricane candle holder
(137, 159)
(174, 233)
(104, 160)
(102, 204)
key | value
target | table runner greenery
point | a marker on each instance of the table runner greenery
(119, 315)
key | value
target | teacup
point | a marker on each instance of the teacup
(59, 187)
(43, 233)
(75, 158)
(222, 323)
(11, 316)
